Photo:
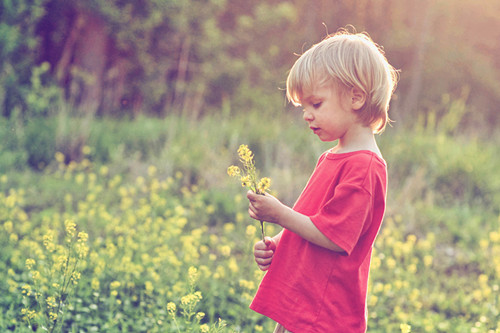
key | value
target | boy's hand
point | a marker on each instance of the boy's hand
(263, 252)
(264, 207)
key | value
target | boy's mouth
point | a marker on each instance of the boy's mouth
(314, 129)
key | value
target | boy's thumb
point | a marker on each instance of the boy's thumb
(270, 243)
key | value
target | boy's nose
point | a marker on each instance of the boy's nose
(307, 115)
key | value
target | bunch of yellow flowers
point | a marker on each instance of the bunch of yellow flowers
(249, 175)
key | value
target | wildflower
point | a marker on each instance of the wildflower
(80, 178)
(225, 250)
(200, 316)
(171, 308)
(95, 284)
(70, 227)
(246, 181)
(115, 285)
(83, 236)
(191, 298)
(152, 171)
(26, 290)
(29, 263)
(59, 157)
(233, 171)
(250, 231)
(28, 314)
(248, 175)
(193, 274)
(149, 287)
(35, 275)
(9, 226)
(428, 260)
(103, 170)
(48, 242)
(86, 150)
(75, 277)
(405, 328)
(204, 328)
(51, 302)
(264, 185)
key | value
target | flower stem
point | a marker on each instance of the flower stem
(262, 230)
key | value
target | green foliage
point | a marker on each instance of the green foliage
(14, 155)
(39, 141)
(18, 50)
(194, 57)
(435, 265)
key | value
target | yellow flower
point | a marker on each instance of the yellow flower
(225, 250)
(152, 170)
(115, 285)
(86, 150)
(95, 284)
(249, 175)
(263, 185)
(200, 315)
(245, 153)
(204, 328)
(51, 302)
(149, 287)
(26, 290)
(75, 277)
(246, 181)
(171, 307)
(250, 232)
(70, 227)
(193, 274)
(29, 263)
(233, 171)
(83, 236)
(8, 226)
(28, 314)
(35, 275)
(59, 157)
(405, 328)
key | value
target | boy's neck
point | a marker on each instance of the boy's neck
(361, 138)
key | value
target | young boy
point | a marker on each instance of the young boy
(318, 265)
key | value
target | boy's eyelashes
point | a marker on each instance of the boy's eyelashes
(315, 105)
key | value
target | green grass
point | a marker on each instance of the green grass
(154, 197)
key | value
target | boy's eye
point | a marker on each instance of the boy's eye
(316, 105)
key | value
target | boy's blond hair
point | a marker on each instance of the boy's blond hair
(347, 60)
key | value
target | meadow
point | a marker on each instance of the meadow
(145, 231)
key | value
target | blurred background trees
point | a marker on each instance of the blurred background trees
(192, 57)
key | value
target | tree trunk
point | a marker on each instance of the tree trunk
(423, 24)
(90, 58)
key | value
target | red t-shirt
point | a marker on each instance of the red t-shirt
(312, 289)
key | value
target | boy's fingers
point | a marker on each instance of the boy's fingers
(263, 261)
(260, 245)
(251, 195)
(263, 264)
(270, 244)
(263, 267)
(263, 254)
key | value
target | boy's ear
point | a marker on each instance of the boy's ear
(358, 98)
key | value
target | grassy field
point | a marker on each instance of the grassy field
(147, 233)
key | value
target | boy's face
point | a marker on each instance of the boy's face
(328, 112)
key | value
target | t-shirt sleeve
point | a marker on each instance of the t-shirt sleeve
(343, 217)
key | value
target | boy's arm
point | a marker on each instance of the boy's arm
(277, 237)
(269, 209)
